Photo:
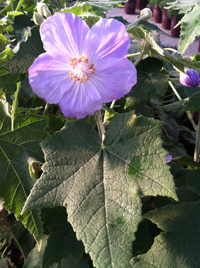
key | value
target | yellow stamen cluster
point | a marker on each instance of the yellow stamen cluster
(81, 69)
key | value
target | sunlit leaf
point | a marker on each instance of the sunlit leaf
(101, 186)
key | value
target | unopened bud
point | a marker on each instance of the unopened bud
(46, 12)
(190, 78)
(144, 47)
(41, 7)
(37, 18)
(187, 58)
(146, 12)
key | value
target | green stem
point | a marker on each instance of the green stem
(100, 126)
(15, 106)
(45, 108)
(196, 150)
(19, 5)
(133, 55)
(138, 59)
(111, 107)
(188, 112)
(137, 20)
(171, 49)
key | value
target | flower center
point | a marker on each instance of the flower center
(81, 69)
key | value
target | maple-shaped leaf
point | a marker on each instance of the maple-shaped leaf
(100, 185)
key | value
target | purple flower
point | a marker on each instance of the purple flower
(169, 158)
(82, 68)
(190, 78)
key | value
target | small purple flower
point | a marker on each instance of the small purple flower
(169, 158)
(82, 68)
(190, 78)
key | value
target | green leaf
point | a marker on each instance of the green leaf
(27, 53)
(18, 149)
(178, 245)
(34, 259)
(101, 186)
(187, 161)
(8, 83)
(62, 235)
(182, 5)
(60, 247)
(190, 28)
(23, 238)
(175, 107)
(139, 34)
(150, 82)
(180, 107)
(6, 55)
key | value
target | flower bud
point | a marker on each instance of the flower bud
(37, 18)
(190, 78)
(40, 8)
(187, 58)
(46, 12)
(169, 158)
(147, 13)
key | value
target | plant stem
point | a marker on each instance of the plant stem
(138, 59)
(100, 126)
(45, 108)
(137, 20)
(111, 107)
(133, 55)
(188, 112)
(196, 150)
(15, 106)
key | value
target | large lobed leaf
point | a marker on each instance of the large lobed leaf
(101, 186)
(18, 149)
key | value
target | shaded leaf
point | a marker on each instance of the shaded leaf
(8, 83)
(150, 82)
(101, 186)
(23, 238)
(187, 161)
(60, 247)
(62, 242)
(27, 53)
(18, 149)
(178, 245)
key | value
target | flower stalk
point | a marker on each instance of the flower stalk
(145, 14)
(100, 126)
(188, 112)
(196, 150)
(138, 59)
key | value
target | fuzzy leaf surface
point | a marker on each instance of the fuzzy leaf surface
(18, 149)
(178, 245)
(190, 28)
(101, 186)
(150, 82)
